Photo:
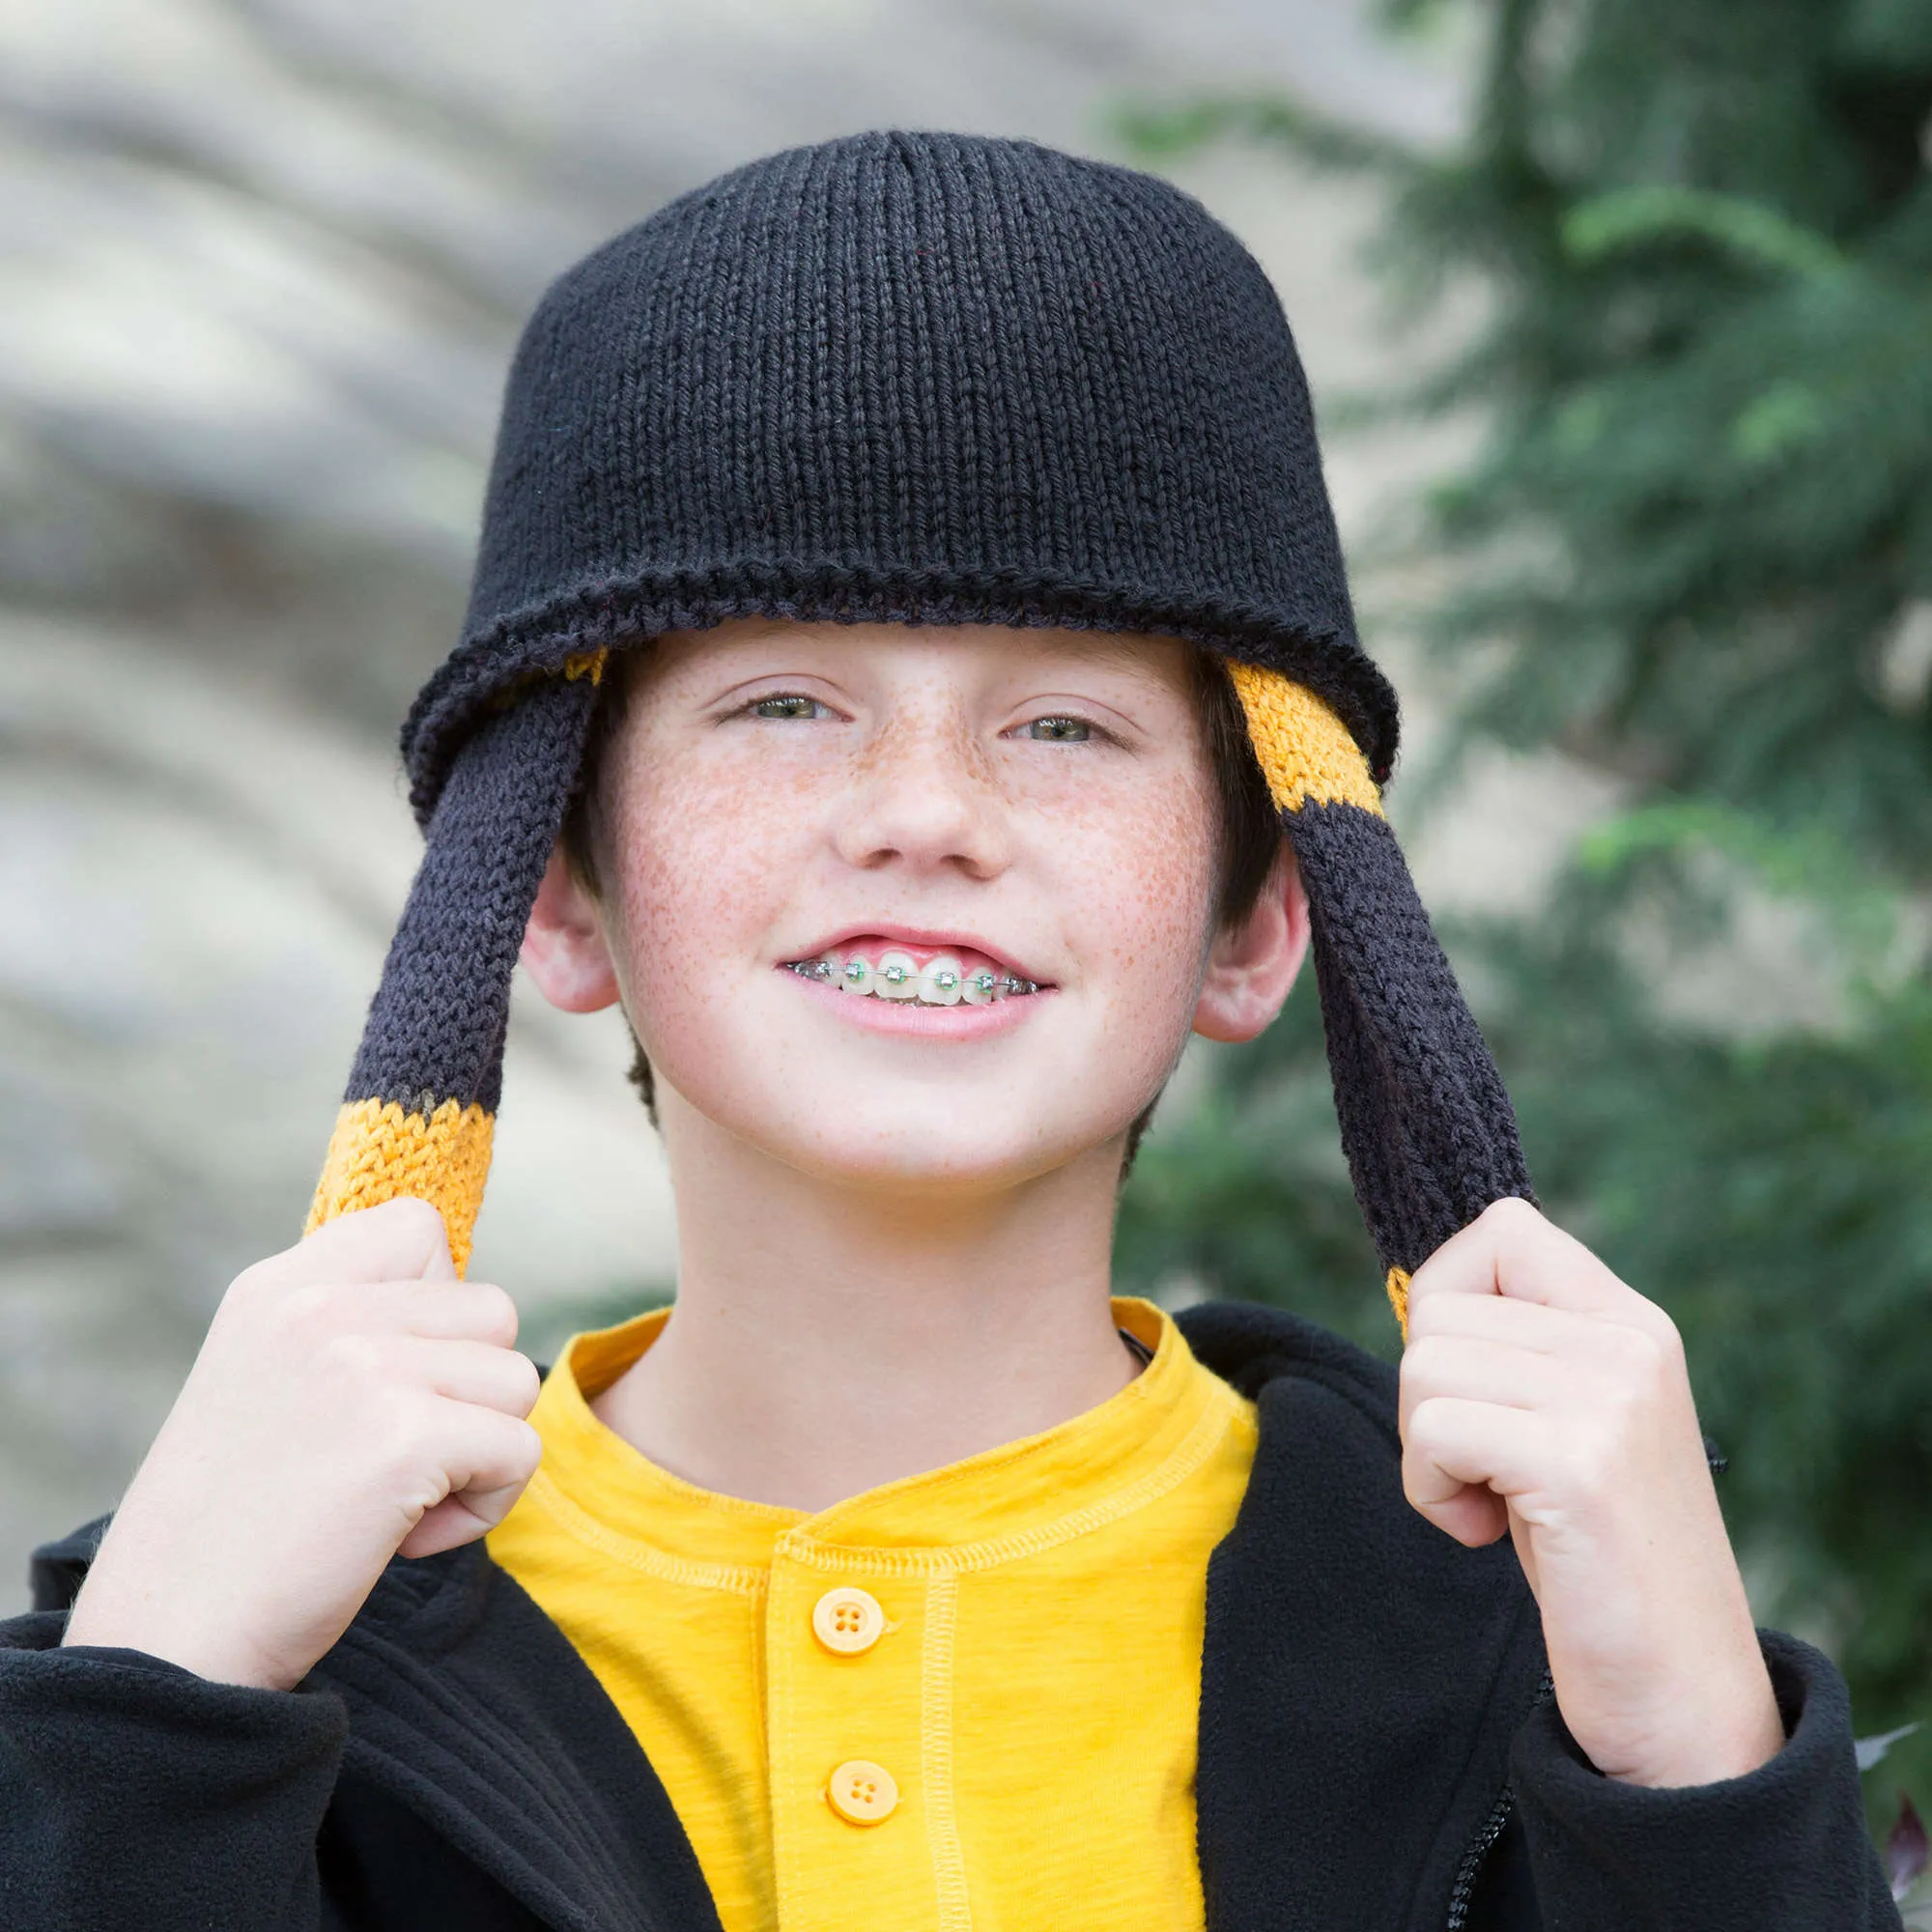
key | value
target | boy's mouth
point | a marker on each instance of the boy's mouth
(916, 976)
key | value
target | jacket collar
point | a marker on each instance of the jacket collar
(1362, 1678)
(1363, 1675)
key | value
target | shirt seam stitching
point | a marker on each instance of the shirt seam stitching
(741, 1579)
(1195, 1448)
(941, 1824)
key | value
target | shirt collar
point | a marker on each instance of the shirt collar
(1003, 1502)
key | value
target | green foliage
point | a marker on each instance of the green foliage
(1694, 551)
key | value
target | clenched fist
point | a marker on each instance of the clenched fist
(1541, 1396)
(353, 1398)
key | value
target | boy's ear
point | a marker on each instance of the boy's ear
(1252, 964)
(564, 946)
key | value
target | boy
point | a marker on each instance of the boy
(906, 560)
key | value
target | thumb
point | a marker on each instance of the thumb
(398, 1239)
(438, 1265)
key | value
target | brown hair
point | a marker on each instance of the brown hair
(1250, 826)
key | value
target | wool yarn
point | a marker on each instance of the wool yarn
(923, 377)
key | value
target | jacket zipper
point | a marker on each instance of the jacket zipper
(1490, 1829)
(1486, 1834)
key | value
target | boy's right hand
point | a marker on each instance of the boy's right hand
(353, 1398)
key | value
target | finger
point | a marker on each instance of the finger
(478, 1372)
(1452, 1440)
(1628, 1348)
(459, 1311)
(1510, 1324)
(1477, 1369)
(434, 1311)
(403, 1239)
(1475, 1516)
(490, 1463)
(1511, 1250)
(450, 1524)
(489, 1453)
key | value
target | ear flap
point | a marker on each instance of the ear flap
(422, 1105)
(1428, 1129)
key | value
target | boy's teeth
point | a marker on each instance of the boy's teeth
(896, 975)
(943, 981)
(938, 981)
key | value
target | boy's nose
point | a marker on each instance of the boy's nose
(924, 795)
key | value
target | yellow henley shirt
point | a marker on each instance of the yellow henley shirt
(968, 1698)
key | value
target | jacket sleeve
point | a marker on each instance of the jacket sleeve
(134, 1792)
(1783, 1848)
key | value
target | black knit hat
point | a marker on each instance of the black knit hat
(921, 378)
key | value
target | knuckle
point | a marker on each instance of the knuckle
(1666, 1336)
(1512, 1211)
(530, 1384)
(495, 1312)
(256, 1287)
(413, 1445)
(265, 1304)
(306, 1307)
(412, 1233)
(1423, 1361)
(1425, 1425)
(1591, 1470)
(354, 1356)
(411, 1215)
(1425, 1315)
(1645, 1360)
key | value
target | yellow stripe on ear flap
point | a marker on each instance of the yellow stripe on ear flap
(1398, 1294)
(378, 1151)
(1304, 750)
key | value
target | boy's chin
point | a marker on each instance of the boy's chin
(976, 1175)
(929, 1145)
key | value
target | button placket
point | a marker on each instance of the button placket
(844, 1730)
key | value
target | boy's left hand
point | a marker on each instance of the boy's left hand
(1541, 1396)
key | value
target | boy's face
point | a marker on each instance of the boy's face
(991, 806)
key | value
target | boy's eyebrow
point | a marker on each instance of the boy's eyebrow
(1109, 650)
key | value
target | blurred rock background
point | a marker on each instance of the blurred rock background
(262, 263)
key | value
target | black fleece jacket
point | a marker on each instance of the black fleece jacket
(1378, 1747)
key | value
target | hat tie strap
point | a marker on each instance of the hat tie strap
(1429, 1131)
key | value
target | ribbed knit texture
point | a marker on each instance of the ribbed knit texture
(925, 378)
(911, 376)
(436, 1031)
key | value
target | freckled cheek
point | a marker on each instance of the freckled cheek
(709, 859)
(1142, 869)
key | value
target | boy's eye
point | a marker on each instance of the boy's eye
(1057, 731)
(788, 704)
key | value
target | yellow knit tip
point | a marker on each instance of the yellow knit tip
(378, 1151)
(587, 664)
(1304, 750)
(1398, 1294)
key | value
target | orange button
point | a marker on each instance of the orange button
(847, 1620)
(862, 1792)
